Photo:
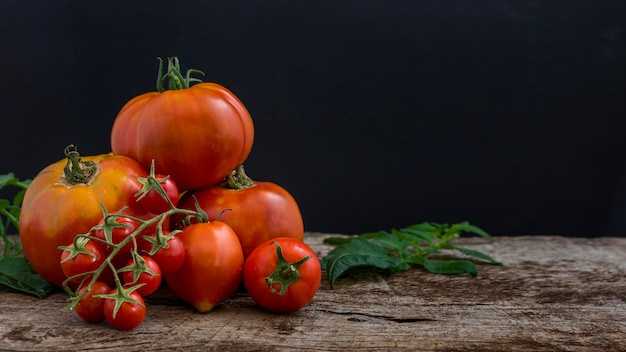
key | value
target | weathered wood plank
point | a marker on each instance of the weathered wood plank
(552, 294)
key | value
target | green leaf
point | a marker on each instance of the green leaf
(16, 273)
(477, 254)
(450, 266)
(360, 252)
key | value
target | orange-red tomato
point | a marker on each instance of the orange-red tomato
(257, 213)
(197, 135)
(54, 210)
(213, 265)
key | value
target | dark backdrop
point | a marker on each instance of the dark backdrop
(373, 114)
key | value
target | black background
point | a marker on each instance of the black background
(373, 114)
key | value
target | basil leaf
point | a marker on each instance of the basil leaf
(16, 273)
(477, 254)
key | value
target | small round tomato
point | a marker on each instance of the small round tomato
(129, 315)
(90, 308)
(282, 275)
(257, 211)
(170, 256)
(146, 273)
(153, 202)
(122, 227)
(66, 199)
(195, 133)
(84, 257)
(211, 272)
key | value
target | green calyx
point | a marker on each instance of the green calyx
(286, 273)
(174, 77)
(237, 179)
(77, 171)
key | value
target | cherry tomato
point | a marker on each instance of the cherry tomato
(169, 258)
(211, 272)
(129, 315)
(151, 279)
(259, 211)
(89, 258)
(196, 133)
(154, 203)
(282, 284)
(90, 308)
(59, 204)
(124, 227)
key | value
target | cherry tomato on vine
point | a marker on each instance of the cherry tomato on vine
(123, 227)
(90, 308)
(150, 277)
(65, 199)
(153, 202)
(282, 275)
(129, 314)
(87, 257)
(196, 133)
(169, 258)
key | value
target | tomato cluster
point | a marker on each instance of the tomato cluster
(110, 232)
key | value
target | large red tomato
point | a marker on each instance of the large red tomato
(60, 203)
(196, 134)
(213, 265)
(257, 211)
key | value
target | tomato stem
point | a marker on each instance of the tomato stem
(285, 273)
(77, 171)
(174, 76)
(237, 179)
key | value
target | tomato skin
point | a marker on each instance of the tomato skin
(258, 213)
(262, 262)
(170, 259)
(89, 308)
(82, 262)
(52, 213)
(130, 314)
(196, 135)
(213, 265)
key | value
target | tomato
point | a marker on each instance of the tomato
(282, 284)
(259, 211)
(153, 202)
(85, 257)
(196, 133)
(129, 314)
(213, 265)
(90, 308)
(170, 257)
(147, 273)
(58, 205)
(123, 227)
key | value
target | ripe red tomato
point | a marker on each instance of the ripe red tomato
(129, 315)
(89, 257)
(58, 205)
(169, 258)
(150, 280)
(196, 134)
(259, 210)
(287, 290)
(90, 308)
(154, 203)
(124, 227)
(211, 272)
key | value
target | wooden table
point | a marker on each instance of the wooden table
(552, 294)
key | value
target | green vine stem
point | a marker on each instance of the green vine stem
(237, 179)
(77, 171)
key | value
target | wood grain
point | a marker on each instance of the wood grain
(551, 294)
